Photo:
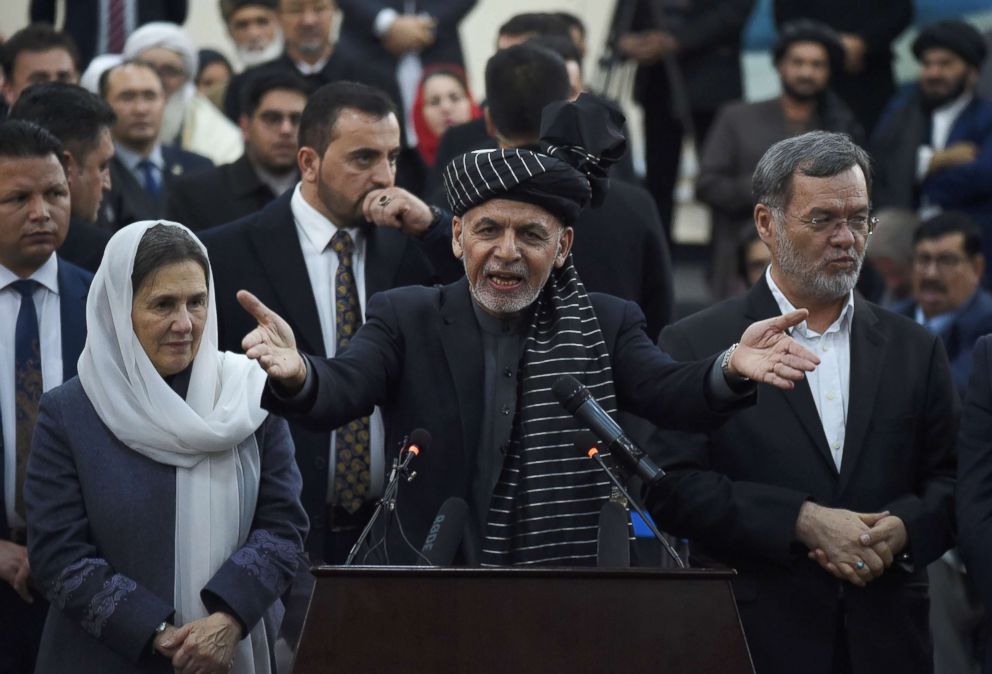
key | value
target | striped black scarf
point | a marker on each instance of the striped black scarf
(545, 507)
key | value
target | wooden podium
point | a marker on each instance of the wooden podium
(569, 620)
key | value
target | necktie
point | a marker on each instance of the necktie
(149, 175)
(115, 26)
(27, 383)
(351, 441)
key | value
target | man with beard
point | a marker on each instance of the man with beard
(475, 360)
(254, 28)
(933, 145)
(273, 109)
(805, 55)
(290, 253)
(829, 499)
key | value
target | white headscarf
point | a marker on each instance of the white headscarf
(95, 70)
(208, 437)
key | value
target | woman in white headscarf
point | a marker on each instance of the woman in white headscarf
(190, 120)
(164, 519)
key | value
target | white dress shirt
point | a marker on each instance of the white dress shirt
(941, 121)
(46, 301)
(315, 232)
(830, 382)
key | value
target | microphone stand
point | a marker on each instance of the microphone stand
(595, 456)
(388, 500)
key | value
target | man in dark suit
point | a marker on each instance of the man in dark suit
(142, 169)
(42, 307)
(81, 121)
(37, 54)
(688, 56)
(490, 346)
(273, 108)
(832, 517)
(349, 142)
(101, 27)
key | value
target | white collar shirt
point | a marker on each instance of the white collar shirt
(830, 381)
(315, 232)
(46, 300)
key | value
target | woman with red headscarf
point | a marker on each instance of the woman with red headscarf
(443, 100)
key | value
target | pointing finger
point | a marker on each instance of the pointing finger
(255, 307)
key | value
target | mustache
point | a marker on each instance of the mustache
(514, 269)
(933, 285)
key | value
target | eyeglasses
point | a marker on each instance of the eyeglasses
(166, 70)
(275, 119)
(945, 263)
(302, 7)
(861, 225)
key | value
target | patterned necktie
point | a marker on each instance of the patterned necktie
(27, 383)
(149, 175)
(115, 26)
(351, 441)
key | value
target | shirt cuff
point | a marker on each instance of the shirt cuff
(302, 394)
(721, 392)
(384, 21)
(924, 154)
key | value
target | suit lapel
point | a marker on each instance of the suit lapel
(462, 342)
(867, 351)
(761, 305)
(72, 312)
(383, 253)
(278, 251)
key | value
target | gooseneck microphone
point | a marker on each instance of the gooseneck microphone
(577, 401)
(446, 533)
(418, 440)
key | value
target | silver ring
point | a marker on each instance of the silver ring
(860, 564)
(384, 200)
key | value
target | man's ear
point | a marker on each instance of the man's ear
(309, 162)
(490, 128)
(456, 237)
(564, 246)
(243, 122)
(764, 223)
(71, 167)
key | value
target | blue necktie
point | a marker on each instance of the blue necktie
(149, 175)
(27, 383)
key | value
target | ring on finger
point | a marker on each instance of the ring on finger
(859, 565)
(384, 200)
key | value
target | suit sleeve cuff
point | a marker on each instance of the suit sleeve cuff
(924, 154)
(721, 394)
(384, 21)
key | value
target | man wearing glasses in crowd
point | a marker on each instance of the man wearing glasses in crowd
(829, 499)
(273, 106)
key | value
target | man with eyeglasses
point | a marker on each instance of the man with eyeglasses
(273, 108)
(829, 499)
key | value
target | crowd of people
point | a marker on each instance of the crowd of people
(230, 289)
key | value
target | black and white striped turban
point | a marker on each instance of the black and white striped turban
(519, 175)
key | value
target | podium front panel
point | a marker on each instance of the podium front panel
(393, 619)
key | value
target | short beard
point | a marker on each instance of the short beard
(809, 275)
(800, 96)
(268, 53)
(933, 101)
(501, 305)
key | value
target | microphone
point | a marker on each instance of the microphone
(613, 542)
(417, 441)
(585, 442)
(577, 401)
(445, 534)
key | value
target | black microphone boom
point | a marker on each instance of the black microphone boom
(446, 533)
(613, 541)
(577, 401)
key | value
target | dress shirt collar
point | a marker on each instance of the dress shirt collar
(941, 322)
(46, 275)
(317, 230)
(843, 321)
(312, 68)
(952, 109)
(130, 158)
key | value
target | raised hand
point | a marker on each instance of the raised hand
(396, 208)
(768, 354)
(273, 345)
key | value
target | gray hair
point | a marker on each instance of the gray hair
(818, 154)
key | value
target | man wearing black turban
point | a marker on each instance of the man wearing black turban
(474, 361)
(933, 146)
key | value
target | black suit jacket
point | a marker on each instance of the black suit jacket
(736, 493)
(974, 498)
(261, 253)
(127, 201)
(84, 244)
(82, 19)
(357, 29)
(222, 194)
(419, 356)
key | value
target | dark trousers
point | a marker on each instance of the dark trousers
(20, 630)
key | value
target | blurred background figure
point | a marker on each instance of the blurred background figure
(190, 120)
(36, 54)
(753, 257)
(867, 31)
(443, 101)
(103, 26)
(253, 26)
(891, 254)
(213, 74)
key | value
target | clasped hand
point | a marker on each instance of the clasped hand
(204, 646)
(839, 539)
